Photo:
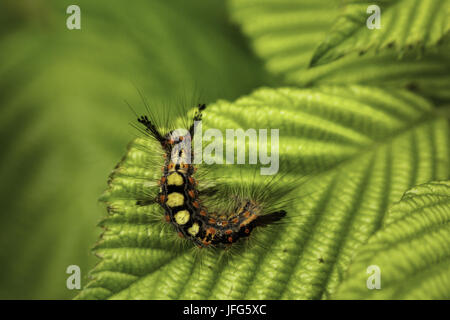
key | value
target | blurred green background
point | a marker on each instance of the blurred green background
(64, 118)
(64, 123)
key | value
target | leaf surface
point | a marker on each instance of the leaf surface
(405, 25)
(287, 34)
(359, 147)
(412, 251)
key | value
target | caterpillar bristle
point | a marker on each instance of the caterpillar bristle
(151, 128)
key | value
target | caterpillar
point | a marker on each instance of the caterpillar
(179, 195)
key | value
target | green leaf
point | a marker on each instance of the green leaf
(412, 250)
(360, 147)
(429, 76)
(285, 34)
(405, 25)
(64, 123)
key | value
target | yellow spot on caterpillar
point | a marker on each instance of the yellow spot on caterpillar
(175, 199)
(182, 217)
(175, 179)
(194, 229)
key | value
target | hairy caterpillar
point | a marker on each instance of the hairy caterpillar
(179, 195)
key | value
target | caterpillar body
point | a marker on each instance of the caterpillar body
(179, 196)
